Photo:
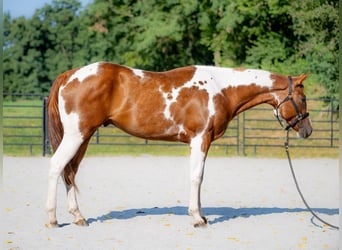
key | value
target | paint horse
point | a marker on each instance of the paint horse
(191, 104)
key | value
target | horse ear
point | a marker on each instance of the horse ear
(302, 78)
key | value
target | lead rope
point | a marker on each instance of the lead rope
(286, 144)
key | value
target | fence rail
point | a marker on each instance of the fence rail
(25, 128)
(263, 133)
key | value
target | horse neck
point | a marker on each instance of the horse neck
(242, 98)
(247, 87)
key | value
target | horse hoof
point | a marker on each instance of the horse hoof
(52, 225)
(82, 223)
(201, 223)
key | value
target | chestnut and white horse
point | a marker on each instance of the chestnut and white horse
(191, 104)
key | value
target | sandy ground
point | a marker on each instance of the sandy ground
(141, 203)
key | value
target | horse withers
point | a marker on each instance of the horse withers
(191, 104)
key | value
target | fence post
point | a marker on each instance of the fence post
(238, 135)
(331, 121)
(243, 133)
(46, 138)
(97, 135)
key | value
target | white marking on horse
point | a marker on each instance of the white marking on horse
(213, 80)
(276, 97)
(72, 139)
(231, 77)
(70, 121)
(170, 98)
(84, 72)
(275, 111)
(197, 160)
(203, 81)
(181, 129)
(138, 72)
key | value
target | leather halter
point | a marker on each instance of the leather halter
(298, 117)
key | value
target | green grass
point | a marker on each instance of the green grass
(26, 118)
(31, 127)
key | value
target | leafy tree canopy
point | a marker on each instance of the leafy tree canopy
(289, 37)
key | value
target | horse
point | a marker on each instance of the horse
(191, 104)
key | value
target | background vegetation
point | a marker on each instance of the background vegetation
(255, 133)
(289, 37)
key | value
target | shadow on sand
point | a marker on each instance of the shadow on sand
(222, 213)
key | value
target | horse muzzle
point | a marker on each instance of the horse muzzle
(304, 128)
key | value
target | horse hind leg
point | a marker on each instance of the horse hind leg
(69, 180)
(67, 149)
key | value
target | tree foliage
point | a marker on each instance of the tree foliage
(289, 37)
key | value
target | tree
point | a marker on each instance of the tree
(59, 26)
(284, 36)
(38, 49)
(317, 29)
(153, 34)
(21, 59)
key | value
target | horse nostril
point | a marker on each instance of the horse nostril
(306, 132)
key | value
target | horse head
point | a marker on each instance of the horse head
(292, 107)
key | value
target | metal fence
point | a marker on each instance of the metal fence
(259, 132)
(23, 124)
(25, 128)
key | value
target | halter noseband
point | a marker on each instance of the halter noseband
(298, 117)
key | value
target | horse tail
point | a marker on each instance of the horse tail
(54, 120)
(56, 130)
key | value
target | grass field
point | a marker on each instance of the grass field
(23, 135)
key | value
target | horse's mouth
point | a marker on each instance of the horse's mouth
(304, 132)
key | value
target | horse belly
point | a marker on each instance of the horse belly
(152, 130)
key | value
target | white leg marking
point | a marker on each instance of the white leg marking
(72, 139)
(197, 161)
(73, 206)
(63, 155)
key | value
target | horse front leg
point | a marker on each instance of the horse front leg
(198, 155)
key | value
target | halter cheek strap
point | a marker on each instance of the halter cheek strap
(298, 117)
